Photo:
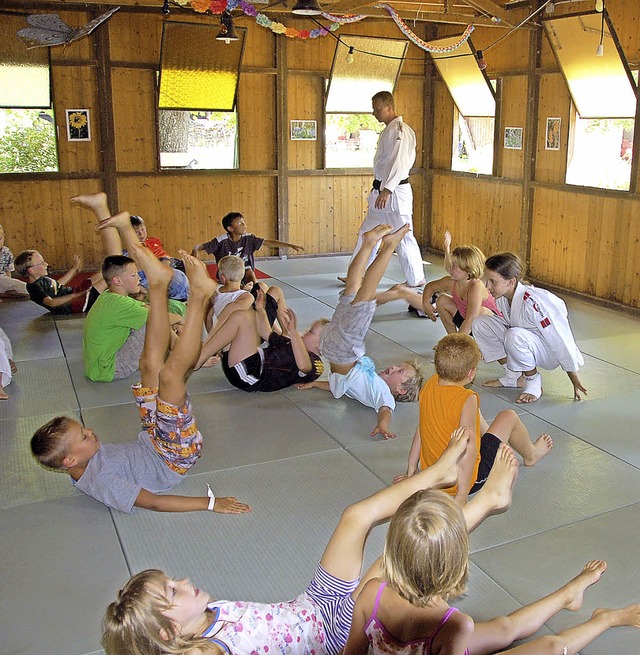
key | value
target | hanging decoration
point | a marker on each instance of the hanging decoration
(415, 39)
(219, 6)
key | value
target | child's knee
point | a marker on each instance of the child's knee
(551, 645)
(507, 416)
(171, 375)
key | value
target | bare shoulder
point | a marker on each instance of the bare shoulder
(454, 635)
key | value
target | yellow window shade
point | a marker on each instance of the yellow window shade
(198, 72)
(351, 85)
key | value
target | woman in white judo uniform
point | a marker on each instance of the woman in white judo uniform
(533, 331)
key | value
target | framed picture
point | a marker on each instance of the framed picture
(304, 130)
(552, 138)
(513, 138)
(78, 125)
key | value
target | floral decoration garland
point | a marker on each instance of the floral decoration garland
(219, 6)
(414, 38)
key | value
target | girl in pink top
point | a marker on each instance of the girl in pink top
(425, 562)
(461, 295)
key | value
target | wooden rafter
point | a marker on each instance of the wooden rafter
(491, 8)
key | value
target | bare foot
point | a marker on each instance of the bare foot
(374, 235)
(200, 284)
(211, 362)
(394, 238)
(541, 447)
(498, 489)
(12, 366)
(96, 202)
(3, 395)
(497, 383)
(157, 273)
(120, 220)
(447, 463)
(625, 616)
(575, 588)
(525, 398)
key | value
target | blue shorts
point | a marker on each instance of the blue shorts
(333, 598)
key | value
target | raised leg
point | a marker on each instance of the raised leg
(342, 557)
(182, 359)
(97, 203)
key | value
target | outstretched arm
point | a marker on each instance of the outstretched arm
(300, 352)
(447, 250)
(384, 422)
(435, 286)
(414, 458)
(273, 243)
(316, 384)
(159, 503)
(60, 301)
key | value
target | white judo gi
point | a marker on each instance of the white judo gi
(6, 353)
(395, 155)
(533, 332)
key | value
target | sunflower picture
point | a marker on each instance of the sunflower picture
(78, 125)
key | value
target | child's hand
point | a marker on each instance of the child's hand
(578, 387)
(447, 241)
(298, 248)
(260, 300)
(290, 320)
(230, 505)
(305, 385)
(77, 262)
(383, 433)
(399, 478)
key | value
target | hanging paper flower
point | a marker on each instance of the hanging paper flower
(304, 34)
(232, 4)
(248, 8)
(77, 120)
(291, 32)
(278, 28)
(334, 26)
(200, 5)
(261, 19)
(218, 6)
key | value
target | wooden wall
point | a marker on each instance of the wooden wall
(582, 239)
(579, 238)
(113, 72)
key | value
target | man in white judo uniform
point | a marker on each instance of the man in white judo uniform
(391, 198)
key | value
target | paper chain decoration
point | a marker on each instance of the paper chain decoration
(218, 6)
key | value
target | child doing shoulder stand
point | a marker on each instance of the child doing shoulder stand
(154, 614)
(425, 562)
(532, 332)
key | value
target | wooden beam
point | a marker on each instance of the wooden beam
(491, 8)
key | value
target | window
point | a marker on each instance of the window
(603, 90)
(472, 143)
(351, 132)
(198, 82)
(474, 116)
(27, 126)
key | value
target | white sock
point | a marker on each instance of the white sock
(533, 385)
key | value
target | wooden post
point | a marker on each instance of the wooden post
(530, 141)
(282, 139)
(107, 129)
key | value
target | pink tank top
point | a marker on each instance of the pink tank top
(489, 302)
(384, 643)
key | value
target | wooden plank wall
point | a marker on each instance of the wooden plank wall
(185, 208)
(582, 239)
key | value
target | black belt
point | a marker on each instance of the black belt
(377, 183)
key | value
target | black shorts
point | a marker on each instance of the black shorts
(245, 375)
(489, 445)
(458, 319)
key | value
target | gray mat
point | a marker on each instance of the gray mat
(531, 568)
(61, 563)
(268, 555)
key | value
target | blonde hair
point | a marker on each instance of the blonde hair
(455, 356)
(469, 259)
(135, 623)
(49, 443)
(426, 552)
(232, 267)
(410, 388)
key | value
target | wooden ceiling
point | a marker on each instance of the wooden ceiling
(489, 13)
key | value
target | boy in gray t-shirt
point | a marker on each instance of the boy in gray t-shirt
(124, 476)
